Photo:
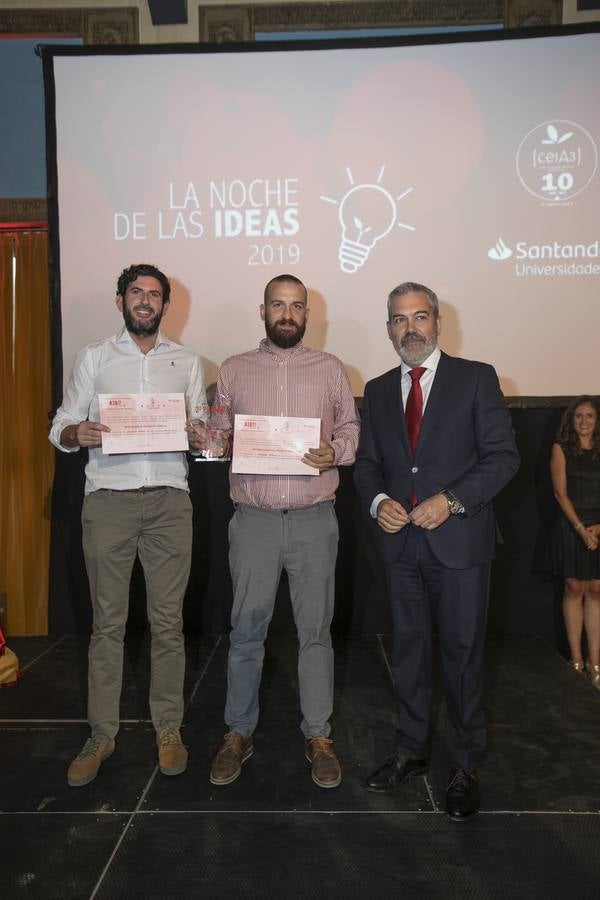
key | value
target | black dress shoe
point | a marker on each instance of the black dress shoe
(396, 769)
(462, 796)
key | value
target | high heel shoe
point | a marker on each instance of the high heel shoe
(578, 667)
(594, 674)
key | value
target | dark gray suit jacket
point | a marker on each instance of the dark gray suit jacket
(466, 445)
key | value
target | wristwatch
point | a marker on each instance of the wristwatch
(455, 507)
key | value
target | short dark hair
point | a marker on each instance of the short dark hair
(129, 275)
(283, 278)
(567, 437)
(411, 287)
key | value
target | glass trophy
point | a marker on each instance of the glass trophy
(218, 442)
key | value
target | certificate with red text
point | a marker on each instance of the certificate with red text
(143, 423)
(273, 445)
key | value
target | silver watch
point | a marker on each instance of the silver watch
(455, 507)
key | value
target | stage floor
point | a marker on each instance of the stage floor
(134, 833)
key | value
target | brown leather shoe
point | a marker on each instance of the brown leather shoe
(172, 754)
(325, 768)
(86, 764)
(232, 754)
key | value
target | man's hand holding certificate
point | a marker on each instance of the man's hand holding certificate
(321, 457)
(143, 423)
(278, 445)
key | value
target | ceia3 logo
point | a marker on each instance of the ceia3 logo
(556, 161)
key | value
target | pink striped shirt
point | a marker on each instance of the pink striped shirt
(296, 382)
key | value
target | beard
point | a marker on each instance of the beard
(284, 339)
(141, 327)
(414, 349)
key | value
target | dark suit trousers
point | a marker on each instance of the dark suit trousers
(423, 592)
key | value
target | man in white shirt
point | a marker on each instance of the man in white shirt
(134, 503)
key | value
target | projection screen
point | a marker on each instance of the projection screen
(469, 165)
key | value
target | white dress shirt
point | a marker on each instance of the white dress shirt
(116, 365)
(426, 380)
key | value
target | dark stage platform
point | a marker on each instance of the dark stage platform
(273, 834)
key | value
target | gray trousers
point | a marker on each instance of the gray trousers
(261, 543)
(155, 523)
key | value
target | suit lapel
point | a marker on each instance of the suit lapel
(439, 398)
(394, 404)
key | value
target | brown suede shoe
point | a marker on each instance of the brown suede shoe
(172, 755)
(233, 753)
(85, 766)
(325, 768)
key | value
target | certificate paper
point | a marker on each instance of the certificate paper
(273, 445)
(143, 423)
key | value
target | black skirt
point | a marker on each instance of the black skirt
(570, 556)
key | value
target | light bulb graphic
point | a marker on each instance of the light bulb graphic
(367, 213)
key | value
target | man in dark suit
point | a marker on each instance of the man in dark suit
(436, 446)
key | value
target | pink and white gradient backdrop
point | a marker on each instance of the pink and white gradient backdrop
(438, 125)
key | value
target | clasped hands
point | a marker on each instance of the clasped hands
(429, 514)
(590, 536)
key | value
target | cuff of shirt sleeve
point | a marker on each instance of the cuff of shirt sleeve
(55, 436)
(375, 504)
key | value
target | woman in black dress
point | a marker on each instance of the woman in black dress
(575, 470)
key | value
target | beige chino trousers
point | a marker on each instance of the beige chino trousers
(156, 524)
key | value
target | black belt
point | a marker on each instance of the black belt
(140, 490)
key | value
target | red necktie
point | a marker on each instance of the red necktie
(414, 413)
(414, 407)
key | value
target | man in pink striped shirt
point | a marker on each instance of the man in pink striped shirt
(285, 522)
